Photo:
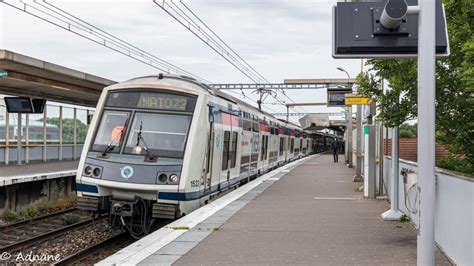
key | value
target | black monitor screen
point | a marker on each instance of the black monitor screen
(38, 105)
(18, 105)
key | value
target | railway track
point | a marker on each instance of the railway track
(96, 252)
(25, 233)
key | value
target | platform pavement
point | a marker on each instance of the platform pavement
(14, 174)
(312, 215)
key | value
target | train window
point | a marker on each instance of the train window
(292, 146)
(301, 144)
(111, 131)
(233, 153)
(163, 134)
(264, 147)
(225, 151)
(281, 145)
(247, 125)
(256, 127)
(209, 151)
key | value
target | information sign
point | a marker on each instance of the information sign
(357, 100)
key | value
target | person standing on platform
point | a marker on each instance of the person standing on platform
(335, 150)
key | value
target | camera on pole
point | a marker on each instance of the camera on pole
(387, 29)
(393, 14)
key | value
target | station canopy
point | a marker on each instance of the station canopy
(22, 75)
(321, 121)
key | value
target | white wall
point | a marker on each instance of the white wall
(454, 213)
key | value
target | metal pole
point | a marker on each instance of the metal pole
(27, 138)
(349, 152)
(18, 140)
(394, 213)
(426, 130)
(346, 144)
(7, 137)
(359, 164)
(381, 160)
(287, 113)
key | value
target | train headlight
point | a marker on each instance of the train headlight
(162, 178)
(137, 150)
(88, 170)
(174, 178)
(96, 171)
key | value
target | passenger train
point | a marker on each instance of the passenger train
(162, 146)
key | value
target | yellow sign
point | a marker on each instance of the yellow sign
(353, 100)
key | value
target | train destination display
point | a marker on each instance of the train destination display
(152, 100)
(162, 101)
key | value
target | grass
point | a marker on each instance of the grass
(405, 219)
(71, 218)
(41, 208)
(180, 228)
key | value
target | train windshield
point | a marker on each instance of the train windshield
(111, 131)
(163, 134)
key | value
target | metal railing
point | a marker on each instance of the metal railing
(57, 134)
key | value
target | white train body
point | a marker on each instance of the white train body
(165, 145)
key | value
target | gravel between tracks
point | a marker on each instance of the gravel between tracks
(61, 246)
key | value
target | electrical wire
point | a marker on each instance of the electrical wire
(56, 16)
(192, 22)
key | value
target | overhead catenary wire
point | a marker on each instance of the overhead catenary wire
(194, 30)
(62, 19)
(230, 48)
(139, 50)
(220, 39)
(187, 18)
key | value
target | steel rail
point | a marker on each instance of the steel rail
(78, 256)
(36, 219)
(48, 235)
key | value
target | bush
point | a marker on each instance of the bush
(48, 206)
(71, 218)
(11, 216)
(457, 164)
(406, 134)
(30, 211)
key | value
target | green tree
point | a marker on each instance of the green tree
(454, 86)
(68, 129)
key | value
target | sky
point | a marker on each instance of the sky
(281, 39)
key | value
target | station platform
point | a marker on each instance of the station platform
(307, 212)
(16, 174)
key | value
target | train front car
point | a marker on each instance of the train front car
(132, 165)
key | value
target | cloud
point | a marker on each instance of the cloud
(281, 39)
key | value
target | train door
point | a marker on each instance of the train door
(206, 183)
(255, 140)
(217, 147)
(264, 147)
(235, 138)
(229, 169)
(214, 147)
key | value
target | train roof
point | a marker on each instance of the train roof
(208, 89)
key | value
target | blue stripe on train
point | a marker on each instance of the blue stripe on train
(86, 188)
(187, 196)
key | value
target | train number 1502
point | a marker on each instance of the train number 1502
(194, 183)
